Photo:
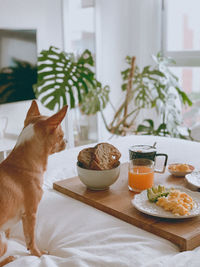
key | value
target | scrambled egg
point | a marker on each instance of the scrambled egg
(177, 202)
(180, 168)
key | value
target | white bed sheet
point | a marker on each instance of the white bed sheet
(76, 234)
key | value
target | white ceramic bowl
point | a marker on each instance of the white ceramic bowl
(98, 179)
(180, 173)
(193, 180)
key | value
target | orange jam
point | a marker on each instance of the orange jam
(140, 178)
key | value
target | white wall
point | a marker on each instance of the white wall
(45, 17)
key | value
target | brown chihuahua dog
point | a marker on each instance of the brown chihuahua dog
(21, 175)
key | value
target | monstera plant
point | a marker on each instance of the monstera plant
(66, 79)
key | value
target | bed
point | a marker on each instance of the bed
(76, 234)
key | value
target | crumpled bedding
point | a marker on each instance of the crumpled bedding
(75, 234)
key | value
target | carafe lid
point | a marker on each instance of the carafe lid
(142, 149)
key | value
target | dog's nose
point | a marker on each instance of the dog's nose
(65, 140)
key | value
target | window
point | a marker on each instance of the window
(80, 35)
(81, 25)
(181, 41)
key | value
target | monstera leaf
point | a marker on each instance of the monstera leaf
(95, 100)
(62, 78)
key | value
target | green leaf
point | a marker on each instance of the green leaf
(161, 127)
(60, 73)
(144, 129)
(95, 101)
(17, 81)
(184, 97)
(151, 123)
(124, 87)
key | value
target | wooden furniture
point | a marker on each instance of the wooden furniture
(117, 201)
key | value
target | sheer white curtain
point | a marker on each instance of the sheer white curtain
(124, 27)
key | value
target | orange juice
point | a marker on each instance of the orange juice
(140, 178)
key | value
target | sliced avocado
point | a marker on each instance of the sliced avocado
(161, 188)
(155, 192)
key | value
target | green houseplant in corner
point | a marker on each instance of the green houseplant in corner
(16, 81)
(152, 88)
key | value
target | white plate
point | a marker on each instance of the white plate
(193, 178)
(141, 203)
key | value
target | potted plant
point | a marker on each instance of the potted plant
(66, 79)
(154, 87)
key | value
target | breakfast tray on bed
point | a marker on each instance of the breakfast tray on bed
(116, 201)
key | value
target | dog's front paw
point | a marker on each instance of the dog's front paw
(7, 260)
(37, 252)
(44, 251)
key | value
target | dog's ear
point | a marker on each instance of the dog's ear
(53, 121)
(32, 112)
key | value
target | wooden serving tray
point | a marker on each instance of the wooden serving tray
(117, 201)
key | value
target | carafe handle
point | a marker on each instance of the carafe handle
(165, 162)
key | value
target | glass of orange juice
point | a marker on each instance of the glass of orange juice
(140, 174)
